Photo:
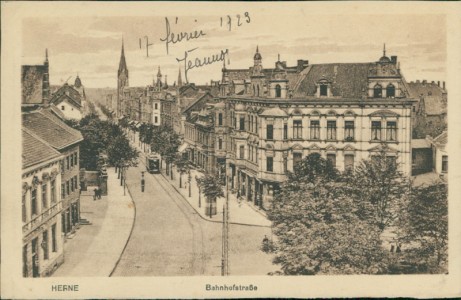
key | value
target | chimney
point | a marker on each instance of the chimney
(432, 82)
(438, 83)
(417, 81)
(444, 85)
(424, 82)
(394, 59)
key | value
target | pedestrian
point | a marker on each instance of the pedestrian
(99, 193)
(143, 182)
(95, 194)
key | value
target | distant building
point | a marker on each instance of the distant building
(429, 113)
(69, 101)
(35, 83)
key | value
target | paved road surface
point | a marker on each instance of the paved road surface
(170, 239)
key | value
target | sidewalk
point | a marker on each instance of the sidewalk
(96, 248)
(240, 212)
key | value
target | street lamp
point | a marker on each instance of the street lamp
(189, 177)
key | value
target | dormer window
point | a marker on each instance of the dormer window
(378, 91)
(323, 90)
(390, 91)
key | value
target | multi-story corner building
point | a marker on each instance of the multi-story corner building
(42, 239)
(50, 129)
(344, 111)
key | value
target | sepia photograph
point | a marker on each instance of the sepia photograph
(199, 150)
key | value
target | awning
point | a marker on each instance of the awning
(183, 147)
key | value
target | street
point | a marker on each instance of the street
(170, 239)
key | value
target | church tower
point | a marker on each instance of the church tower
(179, 78)
(159, 79)
(122, 80)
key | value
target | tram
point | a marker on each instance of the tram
(153, 163)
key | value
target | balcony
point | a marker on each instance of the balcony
(42, 218)
(269, 176)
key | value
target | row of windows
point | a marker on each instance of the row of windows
(69, 162)
(69, 187)
(34, 199)
(378, 91)
(349, 130)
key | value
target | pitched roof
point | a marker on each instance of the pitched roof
(348, 80)
(32, 83)
(35, 150)
(442, 139)
(67, 92)
(418, 88)
(50, 129)
(434, 105)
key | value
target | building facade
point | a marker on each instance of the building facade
(43, 247)
(345, 111)
(64, 139)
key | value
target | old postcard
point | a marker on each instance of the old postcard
(230, 150)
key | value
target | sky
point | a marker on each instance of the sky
(90, 46)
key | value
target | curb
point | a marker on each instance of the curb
(203, 218)
(129, 236)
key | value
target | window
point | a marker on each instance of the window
(220, 144)
(315, 130)
(297, 158)
(285, 131)
(256, 124)
(155, 106)
(270, 164)
(24, 213)
(331, 130)
(242, 152)
(349, 162)
(257, 88)
(376, 130)
(332, 158)
(445, 164)
(390, 91)
(53, 191)
(242, 123)
(378, 91)
(63, 107)
(45, 245)
(71, 160)
(323, 90)
(285, 164)
(278, 91)
(75, 159)
(68, 187)
(54, 244)
(62, 166)
(72, 184)
(44, 198)
(270, 131)
(220, 119)
(68, 162)
(63, 191)
(349, 130)
(33, 197)
(297, 129)
(156, 120)
(391, 131)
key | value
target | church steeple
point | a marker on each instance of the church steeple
(122, 65)
(384, 50)
(179, 78)
(159, 78)
(46, 56)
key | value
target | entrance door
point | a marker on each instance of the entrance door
(35, 260)
(25, 270)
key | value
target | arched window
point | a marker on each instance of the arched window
(390, 91)
(220, 119)
(378, 91)
(254, 91)
(278, 91)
